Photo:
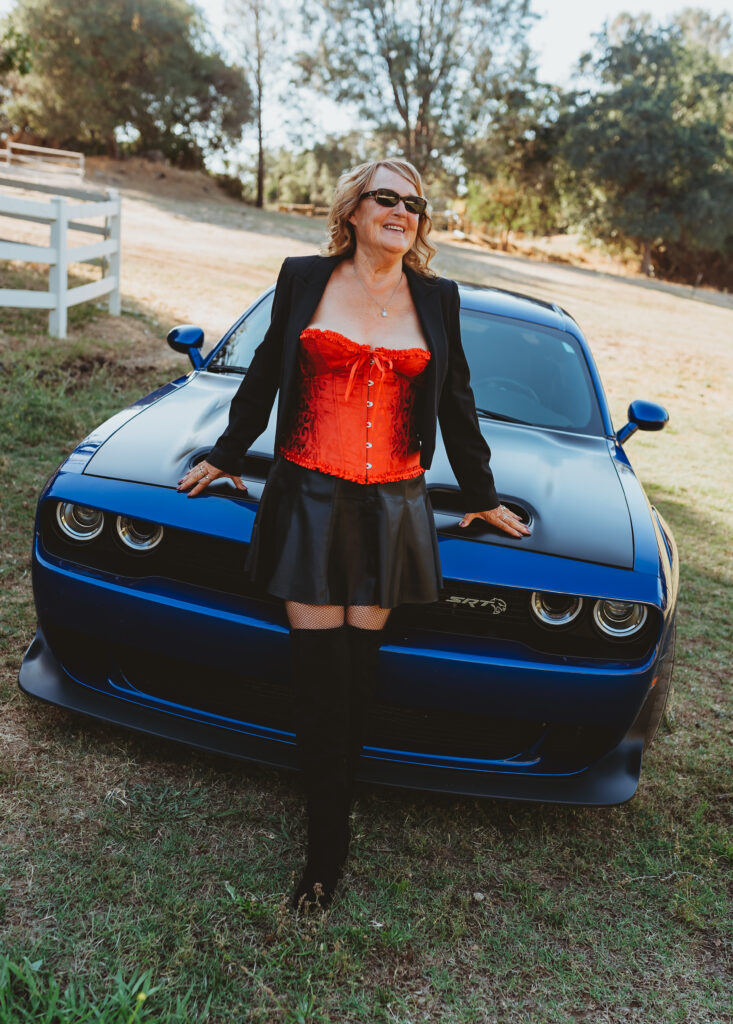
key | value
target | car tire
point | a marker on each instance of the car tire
(651, 714)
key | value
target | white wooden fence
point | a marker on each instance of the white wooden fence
(40, 160)
(62, 215)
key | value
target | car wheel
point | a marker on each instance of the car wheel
(651, 714)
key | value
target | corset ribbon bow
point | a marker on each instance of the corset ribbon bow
(380, 362)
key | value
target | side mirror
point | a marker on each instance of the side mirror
(642, 415)
(188, 339)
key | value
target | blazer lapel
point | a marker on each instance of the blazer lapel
(307, 291)
(426, 297)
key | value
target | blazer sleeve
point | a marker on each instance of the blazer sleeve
(466, 448)
(250, 409)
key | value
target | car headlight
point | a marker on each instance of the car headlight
(78, 521)
(555, 609)
(137, 534)
(619, 618)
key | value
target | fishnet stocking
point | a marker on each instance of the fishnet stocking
(314, 616)
(331, 616)
(367, 616)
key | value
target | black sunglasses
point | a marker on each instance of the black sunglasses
(388, 197)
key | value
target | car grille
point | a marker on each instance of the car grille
(389, 725)
(233, 695)
(245, 701)
(464, 609)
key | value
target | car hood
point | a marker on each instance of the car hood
(567, 483)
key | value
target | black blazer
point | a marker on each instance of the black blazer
(445, 394)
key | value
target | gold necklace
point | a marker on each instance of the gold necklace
(383, 308)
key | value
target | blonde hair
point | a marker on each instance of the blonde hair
(341, 239)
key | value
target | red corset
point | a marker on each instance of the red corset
(354, 415)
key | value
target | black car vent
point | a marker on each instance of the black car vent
(256, 467)
(448, 500)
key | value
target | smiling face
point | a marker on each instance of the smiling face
(385, 230)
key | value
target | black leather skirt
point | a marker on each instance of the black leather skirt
(320, 539)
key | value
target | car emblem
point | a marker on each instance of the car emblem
(496, 604)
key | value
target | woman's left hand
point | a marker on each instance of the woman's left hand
(501, 517)
(204, 474)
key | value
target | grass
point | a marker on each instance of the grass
(132, 867)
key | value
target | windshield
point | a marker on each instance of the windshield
(519, 371)
(237, 352)
(533, 374)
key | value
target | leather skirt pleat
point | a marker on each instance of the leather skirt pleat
(321, 539)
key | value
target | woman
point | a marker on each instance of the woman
(364, 346)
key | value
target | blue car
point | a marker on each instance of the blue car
(541, 673)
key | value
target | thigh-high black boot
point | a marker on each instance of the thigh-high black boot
(321, 675)
(364, 647)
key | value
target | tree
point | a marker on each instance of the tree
(426, 74)
(310, 176)
(139, 66)
(258, 27)
(511, 171)
(15, 50)
(649, 150)
(710, 32)
(16, 60)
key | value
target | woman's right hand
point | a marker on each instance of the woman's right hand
(202, 474)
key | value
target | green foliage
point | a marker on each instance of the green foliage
(16, 60)
(15, 51)
(143, 68)
(502, 204)
(310, 176)
(511, 184)
(649, 150)
(426, 74)
(232, 184)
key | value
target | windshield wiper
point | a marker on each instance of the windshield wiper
(502, 416)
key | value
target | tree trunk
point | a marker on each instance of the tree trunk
(259, 83)
(260, 161)
(646, 259)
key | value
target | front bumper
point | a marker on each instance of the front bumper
(149, 652)
(612, 779)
